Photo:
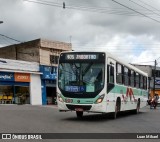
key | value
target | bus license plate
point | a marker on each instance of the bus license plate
(78, 109)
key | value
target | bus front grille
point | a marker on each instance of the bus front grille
(83, 107)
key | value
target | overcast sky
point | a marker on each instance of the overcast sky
(129, 29)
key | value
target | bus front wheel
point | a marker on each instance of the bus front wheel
(79, 114)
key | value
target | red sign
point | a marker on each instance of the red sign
(22, 77)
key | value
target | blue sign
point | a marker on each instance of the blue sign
(49, 72)
(6, 76)
(157, 82)
(75, 88)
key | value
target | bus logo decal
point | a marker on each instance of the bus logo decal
(129, 93)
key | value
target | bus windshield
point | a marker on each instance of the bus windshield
(81, 77)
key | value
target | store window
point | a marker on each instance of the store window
(22, 95)
(6, 95)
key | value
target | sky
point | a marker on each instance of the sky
(128, 29)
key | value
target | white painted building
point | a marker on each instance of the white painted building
(20, 82)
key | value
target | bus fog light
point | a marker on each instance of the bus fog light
(100, 99)
(68, 100)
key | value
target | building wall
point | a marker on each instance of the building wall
(56, 45)
(145, 68)
(35, 90)
(28, 52)
(49, 48)
(8, 52)
(38, 50)
(45, 56)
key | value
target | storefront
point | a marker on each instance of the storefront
(48, 81)
(14, 88)
(20, 83)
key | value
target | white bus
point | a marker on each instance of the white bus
(99, 82)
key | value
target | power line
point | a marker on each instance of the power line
(84, 8)
(56, 5)
(145, 7)
(10, 38)
(99, 9)
(135, 11)
(150, 6)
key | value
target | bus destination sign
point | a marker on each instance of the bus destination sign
(82, 56)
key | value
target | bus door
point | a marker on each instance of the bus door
(110, 74)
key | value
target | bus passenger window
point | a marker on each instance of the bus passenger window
(119, 76)
(132, 78)
(141, 82)
(126, 76)
(110, 74)
(145, 83)
(137, 80)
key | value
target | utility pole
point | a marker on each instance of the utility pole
(154, 77)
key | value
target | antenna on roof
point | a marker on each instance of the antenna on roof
(70, 38)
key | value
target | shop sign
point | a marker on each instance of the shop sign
(157, 82)
(22, 77)
(49, 72)
(6, 76)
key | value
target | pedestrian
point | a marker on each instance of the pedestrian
(156, 97)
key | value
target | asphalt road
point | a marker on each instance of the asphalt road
(47, 119)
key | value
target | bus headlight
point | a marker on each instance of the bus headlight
(100, 99)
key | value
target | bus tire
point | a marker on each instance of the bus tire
(117, 108)
(114, 114)
(79, 114)
(136, 111)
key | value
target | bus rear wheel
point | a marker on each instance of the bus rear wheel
(136, 111)
(79, 114)
(114, 114)
(138, 107)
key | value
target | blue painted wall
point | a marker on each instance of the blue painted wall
(49, 73)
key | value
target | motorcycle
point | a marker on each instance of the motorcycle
(153, 103)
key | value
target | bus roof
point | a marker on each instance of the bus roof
(115, 58)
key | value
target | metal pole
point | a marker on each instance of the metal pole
(154, 77)
(149, 86)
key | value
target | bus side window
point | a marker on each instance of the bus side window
(145, 83)
(110, 74)
(119, 75)
(137, 80)
(126, 76)
(110, 78)
(141, 82)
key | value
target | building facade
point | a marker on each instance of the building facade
(46, 54)
(20, 82)
(151, 73)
